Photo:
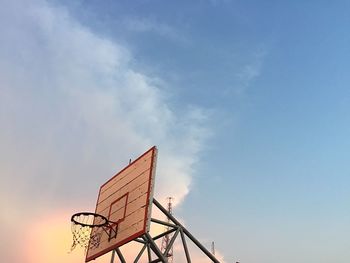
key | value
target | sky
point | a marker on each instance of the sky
(248, 103)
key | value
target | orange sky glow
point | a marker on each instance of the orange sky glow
(49, 239)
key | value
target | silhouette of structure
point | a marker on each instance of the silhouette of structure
(166, 239)
(213, 248)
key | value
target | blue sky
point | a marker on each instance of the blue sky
(250, 100)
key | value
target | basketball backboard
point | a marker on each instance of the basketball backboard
(125, 199)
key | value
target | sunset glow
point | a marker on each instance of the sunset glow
(247, 102)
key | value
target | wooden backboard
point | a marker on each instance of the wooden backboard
(125, 199)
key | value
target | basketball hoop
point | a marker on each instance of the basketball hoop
(87, 229)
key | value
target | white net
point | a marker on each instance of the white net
(82, 226)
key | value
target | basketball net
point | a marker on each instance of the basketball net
(81, 231)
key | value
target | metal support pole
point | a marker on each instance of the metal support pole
(149, 253)
(188, 258)
(140, 253)
(155, 220)
(193, 239)
(171, 243)
(165, 233)
(112, 257)
(120, 255)
(139, 240)
(154, 247)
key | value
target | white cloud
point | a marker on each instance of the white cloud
(251, 70)
(141, 25)
(73, 111)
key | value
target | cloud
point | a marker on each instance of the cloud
(151, 25)
(73, 111)
(251, 70)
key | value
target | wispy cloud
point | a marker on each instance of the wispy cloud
(251, 70)
(152, 25)
(73, 111)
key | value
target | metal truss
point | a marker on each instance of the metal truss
(153, 251)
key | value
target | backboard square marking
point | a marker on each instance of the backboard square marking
(117, 209)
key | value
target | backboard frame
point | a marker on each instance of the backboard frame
(148, 205)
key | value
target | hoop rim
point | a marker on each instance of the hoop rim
(105, 223)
